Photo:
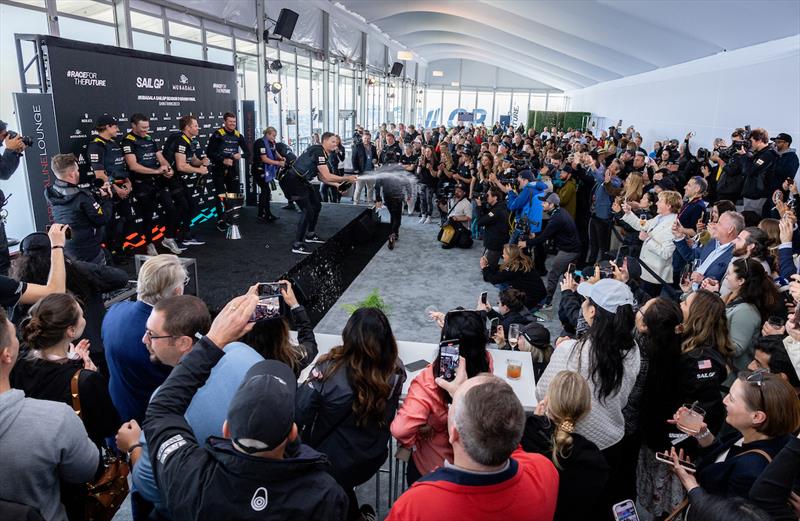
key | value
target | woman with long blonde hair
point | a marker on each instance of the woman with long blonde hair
(516, 271)
(582, 469)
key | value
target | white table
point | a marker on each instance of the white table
(524, 387)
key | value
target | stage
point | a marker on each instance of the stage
(226, 268)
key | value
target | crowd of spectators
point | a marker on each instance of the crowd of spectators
(673, 275)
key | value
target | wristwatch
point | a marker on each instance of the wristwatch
(132, 448)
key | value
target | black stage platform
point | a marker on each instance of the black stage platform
(226, 268)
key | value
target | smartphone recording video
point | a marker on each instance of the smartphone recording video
(269, 302)
(484, 297)
(448, 359)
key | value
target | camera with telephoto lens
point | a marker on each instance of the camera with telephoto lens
(445, 191)
(25, 139)
(523, 225)
(703, 155)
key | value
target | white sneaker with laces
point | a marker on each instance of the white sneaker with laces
(172, 246)
(151, 250)
(421, 220)
(428, 220)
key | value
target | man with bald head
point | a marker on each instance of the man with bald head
(490, 476)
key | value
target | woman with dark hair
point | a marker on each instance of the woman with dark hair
(764, 411)
(345, 407)
(753, 298)
(46, 373)
(270, 338)
(421, 422)
(607, 356)
(659, 326)
(85, 280)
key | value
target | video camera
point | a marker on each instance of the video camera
(25, 139)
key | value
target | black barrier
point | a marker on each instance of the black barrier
(88, 80)
(36, 119)
(248, 127)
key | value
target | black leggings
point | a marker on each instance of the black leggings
(599, 238)
(307, 198)
(226, 180)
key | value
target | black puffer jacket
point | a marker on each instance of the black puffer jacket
(84, 213)
(325, 417)
(759, 172)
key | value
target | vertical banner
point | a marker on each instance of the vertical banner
(249, 132)
(36, 118)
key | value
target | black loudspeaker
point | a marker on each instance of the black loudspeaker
(397, 69)
(284, 27)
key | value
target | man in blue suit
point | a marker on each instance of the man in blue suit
(711, 261)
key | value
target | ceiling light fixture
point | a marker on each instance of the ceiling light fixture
(438, 74)
(454, 84)
(275, 87)
(405, 55)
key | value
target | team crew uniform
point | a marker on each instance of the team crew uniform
(178, 184)
(296, 184)
(106, 155)
(264, 175)
(224, 145)
(149, 190)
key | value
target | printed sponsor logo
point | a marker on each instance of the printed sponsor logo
(183, 84)
(86, 78)
(149, 83)
(221, 88)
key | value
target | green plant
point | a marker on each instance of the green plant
(373, 300)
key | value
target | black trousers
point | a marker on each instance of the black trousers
(226, 180)
(395, 207)
(599, 238)
(264, 196)
(330, 194)
(148, 196)
(307, 198)
(186, 210)
(122, 232)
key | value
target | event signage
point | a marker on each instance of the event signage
(36, 119)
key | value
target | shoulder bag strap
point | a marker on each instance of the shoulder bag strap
(757, 451)
(73, 389)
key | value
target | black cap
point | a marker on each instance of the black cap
(536, 334)
(3, 125)
(106, 120)
(261, 413)
(783, 136)
(666, 184)
(37, 243)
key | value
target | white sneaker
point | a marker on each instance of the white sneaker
(421, 220)
(427, 220)
(151, 250)
(172, 246)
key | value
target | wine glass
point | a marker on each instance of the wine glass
(513, 335)
(429, 311)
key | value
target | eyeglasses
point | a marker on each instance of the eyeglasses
(149, 334)
(757, 378)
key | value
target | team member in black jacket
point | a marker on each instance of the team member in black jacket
(562, 230)
(265, 166)
(493, 216)
(84, 211)
(259, 470)
(148, 169)
(223, 151)
(391, 152)
(296, 184)
(181, 151)
(108, 163)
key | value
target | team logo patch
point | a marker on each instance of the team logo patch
(259, 501)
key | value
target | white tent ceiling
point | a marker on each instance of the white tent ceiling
(570, 44)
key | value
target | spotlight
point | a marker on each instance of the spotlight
(275, 87)
(275, 65)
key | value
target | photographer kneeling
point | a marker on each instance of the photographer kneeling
(493, 216)
(458, 217)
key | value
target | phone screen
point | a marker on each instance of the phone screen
(269, 302)
(625, 511)
(493, 326)
(484, 297)
(448, 359)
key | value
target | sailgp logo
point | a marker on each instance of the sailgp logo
(259, 501)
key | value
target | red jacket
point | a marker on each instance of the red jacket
(424, 406)
(527, 491)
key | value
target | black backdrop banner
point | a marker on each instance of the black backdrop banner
(89, 80)
(36, 119)
(249, 130)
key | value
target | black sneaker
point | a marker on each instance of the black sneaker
(222, 226)
(290, 206)
(313, 237)
(392, 240)
(301, 248)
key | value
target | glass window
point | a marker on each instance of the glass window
(419, 104)
(219, 40)
(220, 56)
(449, 106)
(185, 32)
(538, 101)
(186, 50)
(433, 106)
(304, 106)
(483, 109)
(148, 42)
(289, 104)
(468, 100)
(502, 105)
(332, 96)
(556, 103)
(245, 46)
(86, 31)
(317, 103)
(145, 22)
(98, 11)
(33, 3)
(270, 53)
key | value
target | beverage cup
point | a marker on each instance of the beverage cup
(514, 369)
(690, 419)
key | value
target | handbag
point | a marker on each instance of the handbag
(105, 494)
(446, 234)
